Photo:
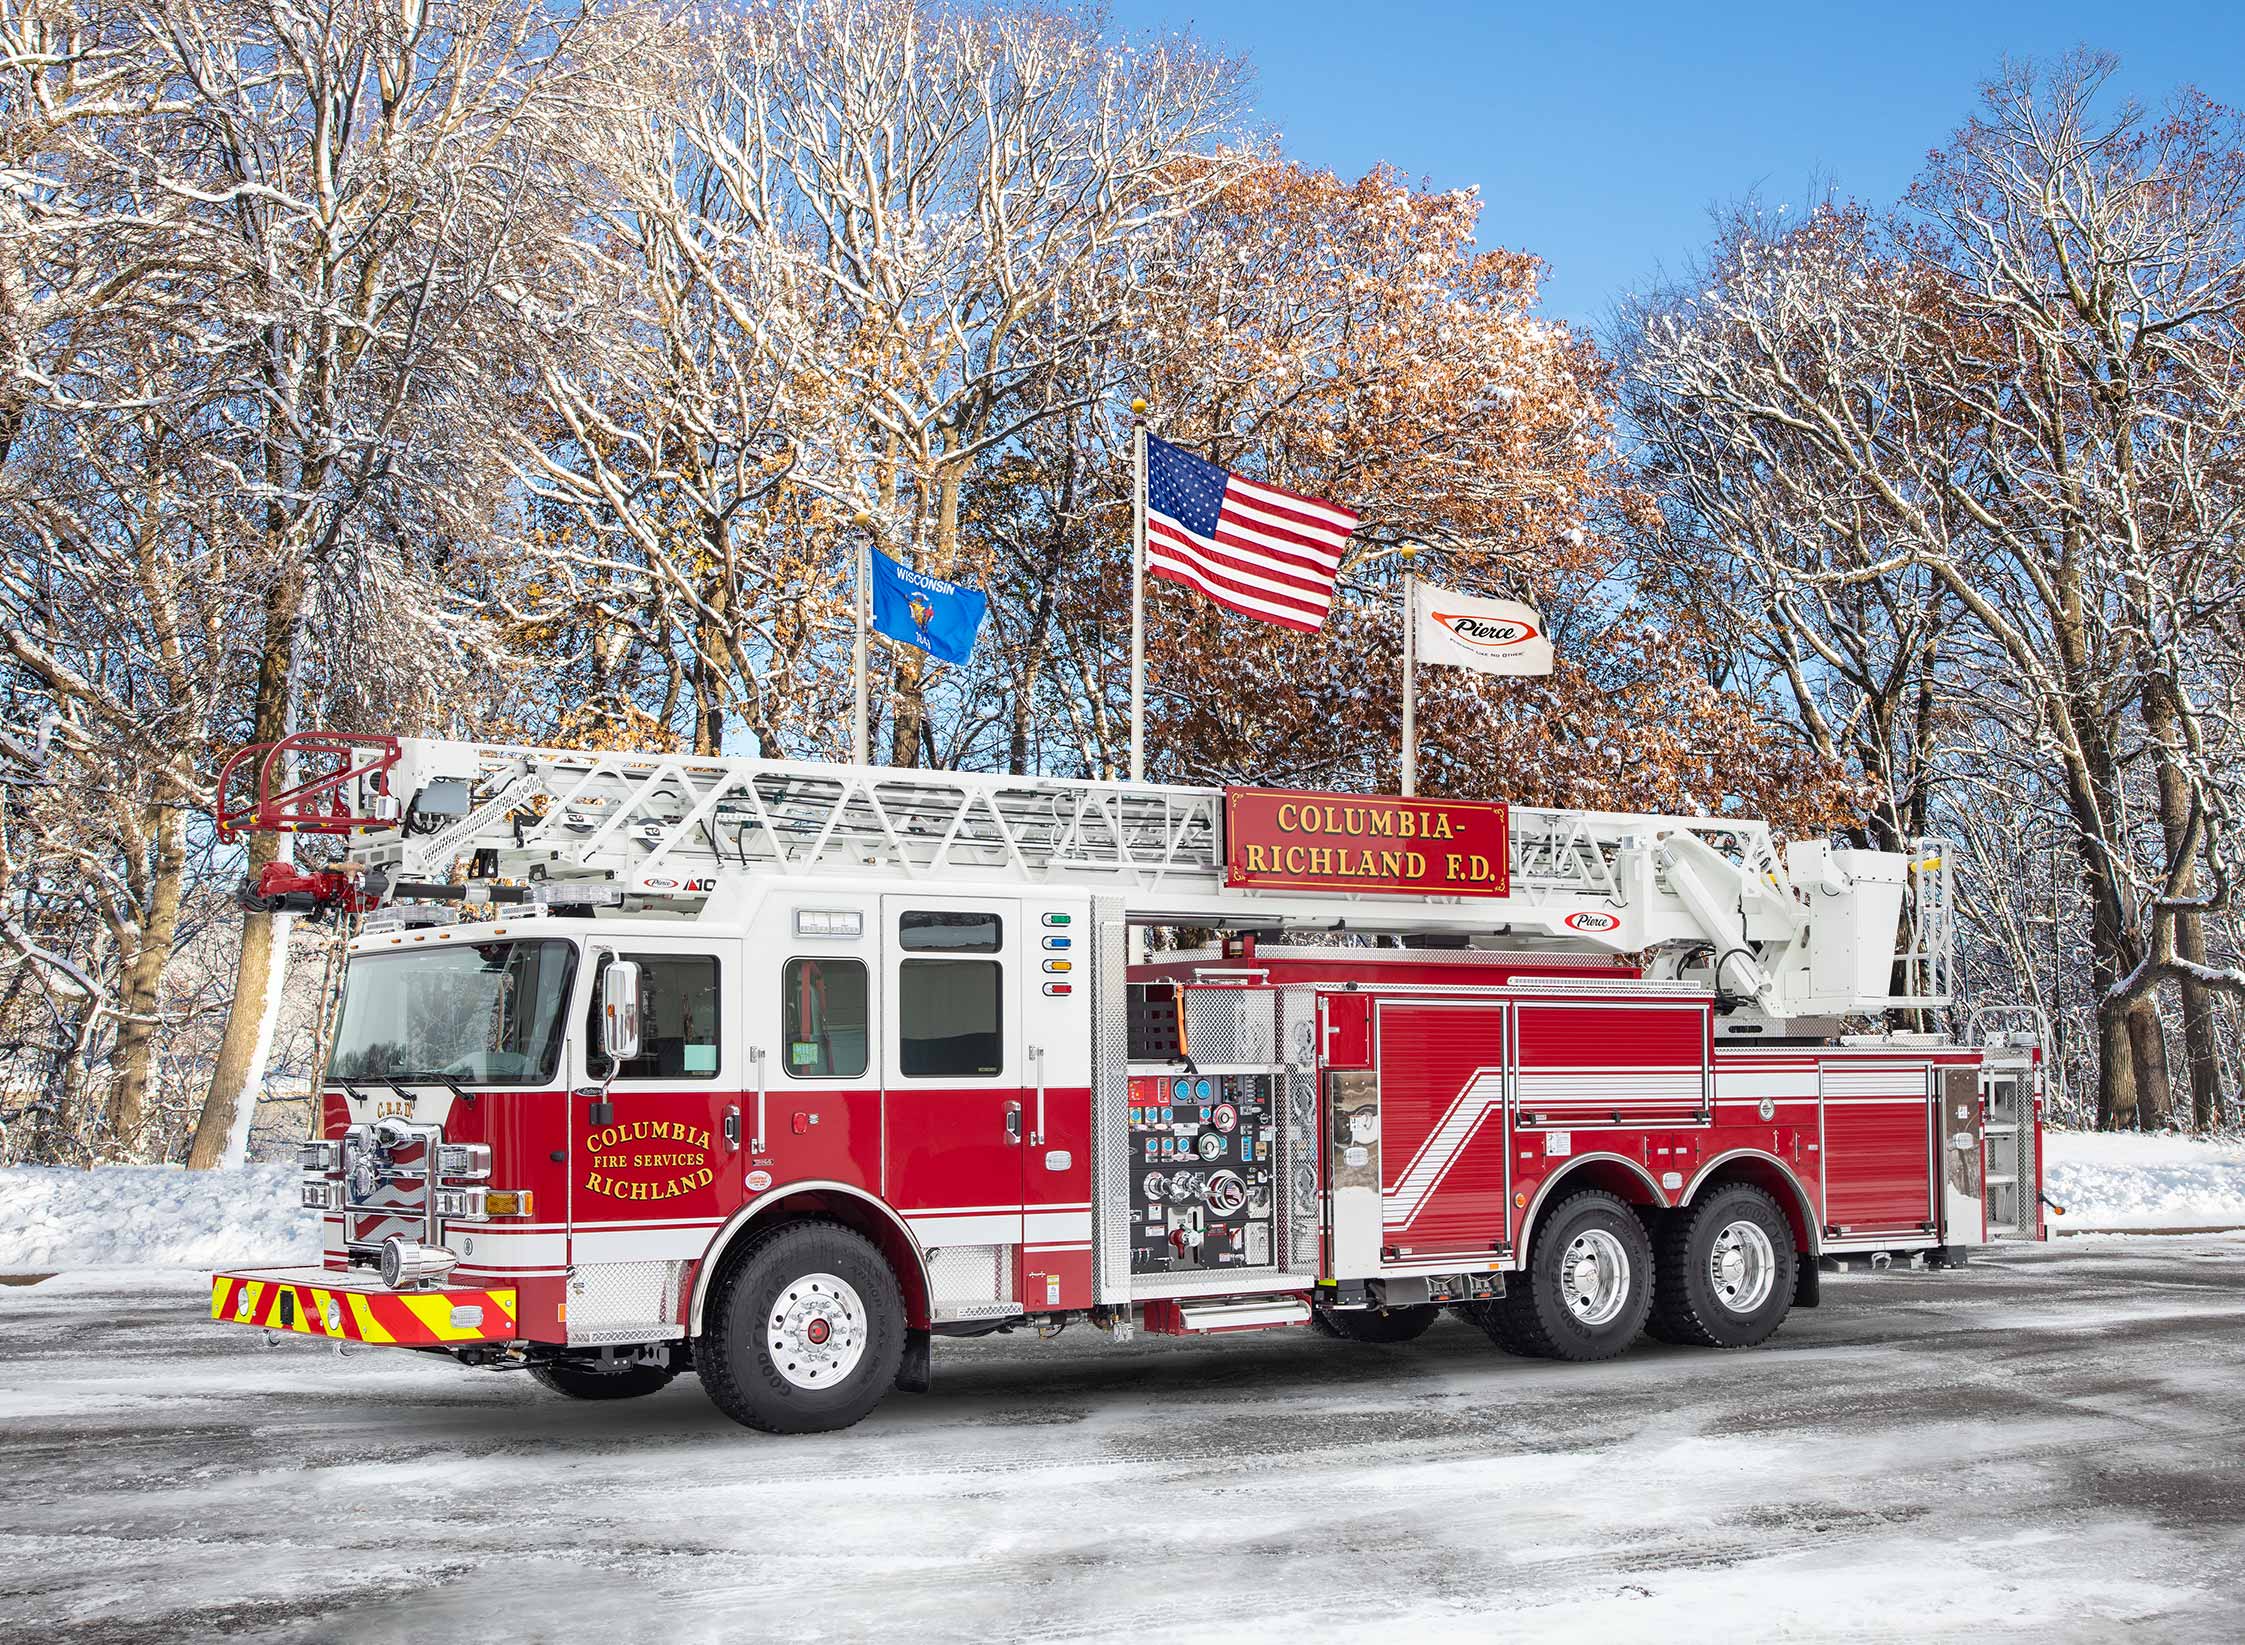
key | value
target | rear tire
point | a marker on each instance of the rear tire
(1727, 1271)
(1587, 1287)
(1376, 1324)
(581, 1382)
(804, 1332)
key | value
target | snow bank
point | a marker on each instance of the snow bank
(2130, 1180)
(140, 1215)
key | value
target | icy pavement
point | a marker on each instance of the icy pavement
(2044, 1446)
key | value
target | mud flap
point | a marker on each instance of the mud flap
(914, 1371)
(1808, 1284)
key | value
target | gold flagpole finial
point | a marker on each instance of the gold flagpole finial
(1138, 408)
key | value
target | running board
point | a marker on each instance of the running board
(1167, 1317)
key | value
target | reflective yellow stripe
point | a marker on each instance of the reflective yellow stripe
(370, 1329)
(253, 1291)
(436, 1313)
(320, 1300)
(219, 1286)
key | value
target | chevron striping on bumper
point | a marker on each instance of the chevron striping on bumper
(363, 1314)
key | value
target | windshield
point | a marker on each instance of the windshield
(489, 1015)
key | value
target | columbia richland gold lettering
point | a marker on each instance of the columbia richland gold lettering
(611, 1151)
(1310, 841)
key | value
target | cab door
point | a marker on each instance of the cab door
(650, 1158)
(955, 1121)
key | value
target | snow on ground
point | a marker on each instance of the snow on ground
(120, 1216)
(2130, 1180)
(134, 1216)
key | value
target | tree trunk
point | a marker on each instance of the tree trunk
(2116, 1078)
(239, 1072)
(240, 1067)
(2147, 1043)
(2202, 1046)
(134, 1058)
(906, 706)
(2201, 1043)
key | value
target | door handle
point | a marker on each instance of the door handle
(756, 1140)
(1013, 1122)
(1037, 1131)
(733, 1129)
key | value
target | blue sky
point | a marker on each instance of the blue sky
(1600, 136)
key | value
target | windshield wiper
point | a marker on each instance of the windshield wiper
(398, 1083)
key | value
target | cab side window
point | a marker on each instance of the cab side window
(950, 1011)
(822, 1004)
(950, 1020)
(679, 1040)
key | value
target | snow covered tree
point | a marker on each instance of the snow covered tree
(2024, 387)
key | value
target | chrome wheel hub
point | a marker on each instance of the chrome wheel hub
(1594, 1276)
(1742, 1267)
(816, 1332)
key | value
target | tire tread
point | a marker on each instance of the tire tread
(719, 1360)
(1675, 1318)
(1515, 1322)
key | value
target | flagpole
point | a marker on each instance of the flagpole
(1138, 591)
(859, 736)
(1410, 670)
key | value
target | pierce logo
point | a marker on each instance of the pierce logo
(1591, 920)
(1487, 634)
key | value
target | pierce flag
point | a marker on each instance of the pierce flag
(1492, 636)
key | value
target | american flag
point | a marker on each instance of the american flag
(1251, 548)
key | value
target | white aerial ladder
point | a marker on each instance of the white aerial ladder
(1814, 931)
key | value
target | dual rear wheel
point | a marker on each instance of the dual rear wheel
(1718, 1275)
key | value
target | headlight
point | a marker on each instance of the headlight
(407, 1263)
(463, 1159)
(362, 1172)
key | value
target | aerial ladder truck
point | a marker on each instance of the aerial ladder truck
(776, 1072)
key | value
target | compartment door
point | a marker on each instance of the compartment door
(1878, 1146)
(1443, 1151)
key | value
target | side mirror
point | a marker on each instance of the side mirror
(620, 1011)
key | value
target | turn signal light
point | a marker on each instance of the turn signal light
(506, 1202)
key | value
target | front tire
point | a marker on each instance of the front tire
(1587, 1287)
(805, 1331)
(581, 1382)
(1727, 1271)
(1376, 1324)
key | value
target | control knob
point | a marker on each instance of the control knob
(1226, 1193)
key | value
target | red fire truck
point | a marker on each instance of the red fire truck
(776, 1071)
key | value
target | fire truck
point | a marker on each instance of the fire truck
(775, 1071)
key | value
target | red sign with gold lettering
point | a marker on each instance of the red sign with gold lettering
(1279, 840)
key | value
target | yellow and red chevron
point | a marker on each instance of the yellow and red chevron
(409, 1319)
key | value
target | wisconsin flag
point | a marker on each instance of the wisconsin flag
(1493, 636)
(939, 617)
